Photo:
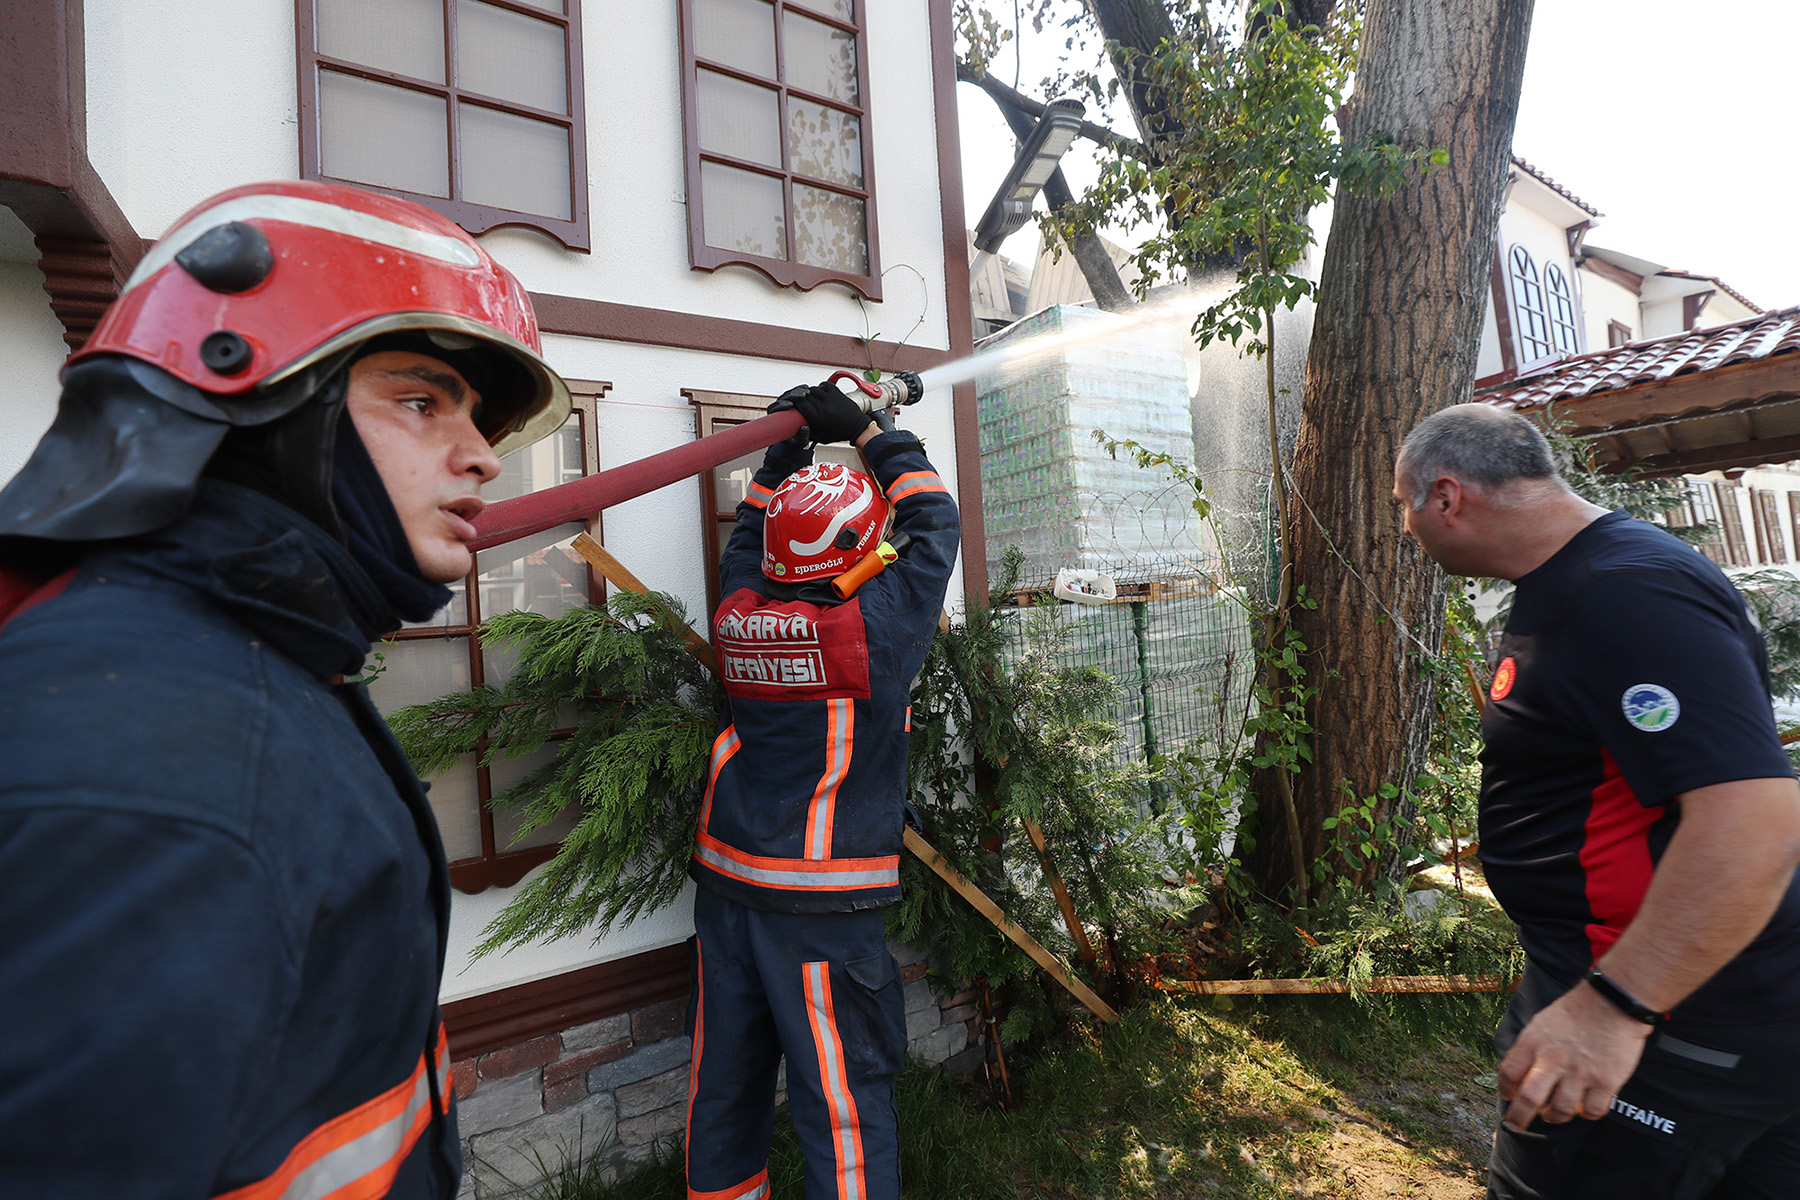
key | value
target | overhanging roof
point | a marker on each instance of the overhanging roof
(1703, 400)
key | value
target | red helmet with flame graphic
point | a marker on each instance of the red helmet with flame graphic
(820, 523)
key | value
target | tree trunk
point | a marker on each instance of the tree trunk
(1395, 338)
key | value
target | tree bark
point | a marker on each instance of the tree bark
(1395, 338)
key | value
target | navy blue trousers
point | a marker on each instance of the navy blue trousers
(1711, 1112)
(821, 989)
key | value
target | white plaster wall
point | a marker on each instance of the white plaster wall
(1488, 360)
(1604, 301)
(188, 97)
(31, 353)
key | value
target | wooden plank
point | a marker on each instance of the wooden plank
(1386, 984)
(621, 578)
(987, 908)
(1084, 949)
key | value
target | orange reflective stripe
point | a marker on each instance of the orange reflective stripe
(840, 739)
(915, 483)
(356, 1155)
(834, 1080)
(724, 746)
(758, 496)
(796, 874)
(754, 1188)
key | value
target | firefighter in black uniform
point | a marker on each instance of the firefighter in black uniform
(1639, 822)
(800, 832)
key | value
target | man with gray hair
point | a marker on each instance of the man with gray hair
(1641, 825)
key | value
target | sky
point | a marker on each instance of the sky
(1670, 117)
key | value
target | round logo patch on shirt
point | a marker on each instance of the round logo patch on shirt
(1650, 707)
(1504, 677)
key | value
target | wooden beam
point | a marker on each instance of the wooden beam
(987, 908)
(1084, 949)
(1715, 458)
(621, 578)
(1763, 381)
(1384, 984)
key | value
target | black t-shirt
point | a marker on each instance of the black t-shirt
(1630, 672)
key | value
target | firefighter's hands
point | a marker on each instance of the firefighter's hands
(884, 419)
(830, 415)
(1570, 1060)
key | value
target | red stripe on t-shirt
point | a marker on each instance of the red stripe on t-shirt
(1615, 856)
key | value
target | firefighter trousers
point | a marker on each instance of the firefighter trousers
(821, 989)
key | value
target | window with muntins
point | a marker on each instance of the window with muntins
(780, 170)
(470, 107)
(1562, 310)
(540, 574)
(1528, 303)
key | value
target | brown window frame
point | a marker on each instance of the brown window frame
(1768, 532)
(1618, 333)
(496, 866)
(785, 273)
(476, 218)
(1731, 524)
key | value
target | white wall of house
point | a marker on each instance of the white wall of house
(1603, 302)
(174, 117)
(189, 97)
(31, 347)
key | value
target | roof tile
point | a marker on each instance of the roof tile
(1696, 350)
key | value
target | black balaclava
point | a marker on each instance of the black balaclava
(372, 531)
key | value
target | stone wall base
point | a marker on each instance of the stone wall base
(619, 1085)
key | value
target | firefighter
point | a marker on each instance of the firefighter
(798, 847)
(225, 899)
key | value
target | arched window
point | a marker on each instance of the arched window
(1562, 310)
(1528, 303)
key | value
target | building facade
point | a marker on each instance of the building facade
(710, 201)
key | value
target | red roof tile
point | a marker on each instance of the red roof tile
(1556, 187)
(1766, 336)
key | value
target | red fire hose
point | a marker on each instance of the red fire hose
(509, 520)
(578, 499)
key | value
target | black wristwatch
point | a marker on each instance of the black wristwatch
(1623, 1000)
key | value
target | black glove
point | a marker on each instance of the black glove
(830, 415)
(884, 419)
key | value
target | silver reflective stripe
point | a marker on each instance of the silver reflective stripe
(831, 1079)
(1700, 1054)
(297, 210)
(355, 1159)
(820, 879)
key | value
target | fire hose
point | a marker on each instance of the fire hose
(509, 520)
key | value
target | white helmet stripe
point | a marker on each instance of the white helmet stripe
(842, 518)
(296, 210)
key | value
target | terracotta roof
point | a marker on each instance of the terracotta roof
(1556, 187)
(1655, 360)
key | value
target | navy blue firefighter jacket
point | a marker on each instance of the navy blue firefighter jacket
(807, 789)
(224, 900)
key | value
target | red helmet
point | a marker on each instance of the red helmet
(258, 283)
(820, 522)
